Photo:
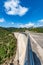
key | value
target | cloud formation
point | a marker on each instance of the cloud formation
(13, 7)
(2, 20)
(41, 21)
(30, 24)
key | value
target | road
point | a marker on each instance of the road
(29, 48)
(37, 45)
(38, 37)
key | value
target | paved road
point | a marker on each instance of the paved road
(37, 46)
(29, 49)
(36, 42)
(38, 37)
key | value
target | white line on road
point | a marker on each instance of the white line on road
(39, 49)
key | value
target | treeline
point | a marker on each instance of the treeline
(12, 29)
(39, 29)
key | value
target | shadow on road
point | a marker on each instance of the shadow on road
(11, 64)
(36, 59)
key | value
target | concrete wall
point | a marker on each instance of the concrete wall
(24, 51)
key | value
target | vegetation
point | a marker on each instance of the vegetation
(8, 41)
(7, 44)
(39, 30)
(15, 29)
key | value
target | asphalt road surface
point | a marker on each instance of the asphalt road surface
(38, 37)
(37, 47)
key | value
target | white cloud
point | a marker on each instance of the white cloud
(26, 25)
(41, 21)
(13, 7)
(12, 22)
(2, 20)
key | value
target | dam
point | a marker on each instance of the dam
(24, 54)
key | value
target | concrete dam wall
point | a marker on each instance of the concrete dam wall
(24, 51)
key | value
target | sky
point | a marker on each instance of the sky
(21, 13)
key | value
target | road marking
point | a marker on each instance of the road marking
(39, 49)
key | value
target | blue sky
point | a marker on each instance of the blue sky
(21, 13)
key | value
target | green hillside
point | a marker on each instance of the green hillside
(7, 44)
(39, 30)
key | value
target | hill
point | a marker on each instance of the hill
(38, 29)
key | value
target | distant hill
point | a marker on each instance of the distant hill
(12, 29)
(38, 29)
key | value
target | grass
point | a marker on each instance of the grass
(7, 44)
